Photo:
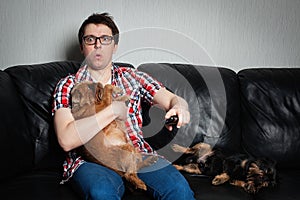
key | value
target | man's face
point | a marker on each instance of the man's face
(98, 56)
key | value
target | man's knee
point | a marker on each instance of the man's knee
(107, 191)
(181, 190)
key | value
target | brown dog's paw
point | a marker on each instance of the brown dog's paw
(119, 95)
(139, 184)
(152, 159)
(135, 181)
(147, 162)
(124, 98)
(143, 187)
(116, 89)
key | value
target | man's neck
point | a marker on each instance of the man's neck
(101, 75)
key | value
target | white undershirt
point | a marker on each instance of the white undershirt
(108, 82)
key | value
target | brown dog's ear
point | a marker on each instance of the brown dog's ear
(99, 92)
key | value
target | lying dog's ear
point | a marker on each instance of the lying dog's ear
(270, 171)
(266, 163)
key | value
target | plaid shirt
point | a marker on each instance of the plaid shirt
(138, 85)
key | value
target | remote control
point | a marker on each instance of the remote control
(173, 120)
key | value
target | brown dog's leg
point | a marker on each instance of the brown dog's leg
(132, 164)
(147, 162)
(135, 180)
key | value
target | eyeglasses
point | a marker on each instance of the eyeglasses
(91, 39)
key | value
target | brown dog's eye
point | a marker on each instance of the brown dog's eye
(91, 87)
(99, 96)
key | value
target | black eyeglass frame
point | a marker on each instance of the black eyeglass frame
(101, 39)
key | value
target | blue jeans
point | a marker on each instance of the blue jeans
(163, 181)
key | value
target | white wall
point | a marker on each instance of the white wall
(233, 33)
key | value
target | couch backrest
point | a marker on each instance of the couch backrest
(271, 114)
(213, 97)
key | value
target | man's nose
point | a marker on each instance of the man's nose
(97, 43)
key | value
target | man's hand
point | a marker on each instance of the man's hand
(182, 113)
(174, 105)
(120, 110)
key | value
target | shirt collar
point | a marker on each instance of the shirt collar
(83, 74)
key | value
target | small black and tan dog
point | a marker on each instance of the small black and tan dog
(239, 169)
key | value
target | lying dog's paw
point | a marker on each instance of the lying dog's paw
(250, 188)
(178, 148)
(178, 167)
(220, 179)
(217, 181)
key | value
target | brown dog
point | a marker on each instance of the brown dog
(110, 147)
(240, 170)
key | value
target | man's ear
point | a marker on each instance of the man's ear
(81, 48)
(115, 48)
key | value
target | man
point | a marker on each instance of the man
(98, 37)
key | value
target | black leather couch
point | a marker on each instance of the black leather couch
(256, 111)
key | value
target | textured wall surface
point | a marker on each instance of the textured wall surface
(233, 33)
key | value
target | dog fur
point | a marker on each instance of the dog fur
(239, 169)
(110, 147)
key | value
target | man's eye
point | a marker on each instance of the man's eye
(90, 39)
(106, 38)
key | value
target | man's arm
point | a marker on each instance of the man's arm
(174, 105)
(73, 133)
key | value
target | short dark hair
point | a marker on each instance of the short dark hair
(96, 18)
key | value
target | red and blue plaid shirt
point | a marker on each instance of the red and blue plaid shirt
(138, 85)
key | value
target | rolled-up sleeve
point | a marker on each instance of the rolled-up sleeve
(62, 94)
(150, 86)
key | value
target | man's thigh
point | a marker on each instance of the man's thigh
(163, 179)
(94, 179)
